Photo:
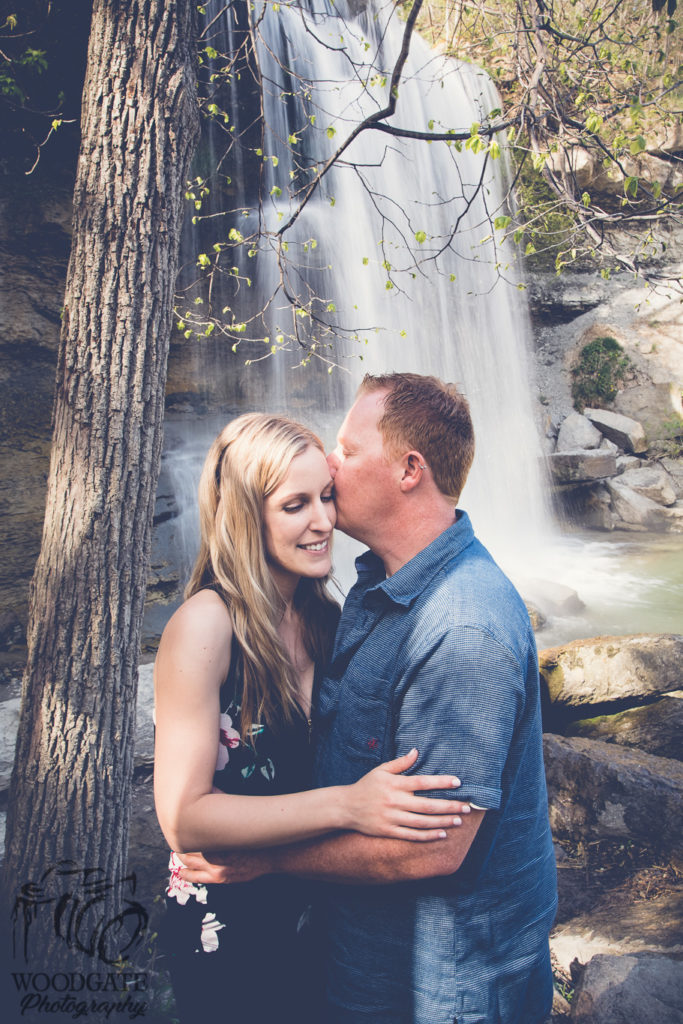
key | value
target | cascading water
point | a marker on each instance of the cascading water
(393, 245)
(395, 251)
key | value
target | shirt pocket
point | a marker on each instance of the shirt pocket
(362, 721)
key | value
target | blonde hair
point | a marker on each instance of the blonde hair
(247, 461)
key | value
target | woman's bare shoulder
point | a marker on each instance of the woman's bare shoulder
(202, 620)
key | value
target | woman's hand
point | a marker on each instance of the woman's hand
(383, 803)
(227, 866)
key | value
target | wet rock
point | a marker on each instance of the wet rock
(634, 508)
(652, 482)
(599, 790)
(554, 598)
(577, 432)
(610, 668)
(669, 520)
(655, 728)
(572, 467)
(628, 434)
(629, 990)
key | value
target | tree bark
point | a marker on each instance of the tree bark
(69, 797)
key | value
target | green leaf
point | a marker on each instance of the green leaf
(494, 149)
(631, 186)
(586, 199)
(203, 260)
(331, 132)
(500, 223)
(420, 237)
(530, 249)
(637, 146)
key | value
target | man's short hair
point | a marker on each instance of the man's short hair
(431, 416)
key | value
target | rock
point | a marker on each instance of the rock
(577, 432)
(625, 462)
(674, 467)
(628, 434)
(655, 728)
(652, 482)
(618, 923)
(9, 724)
(554, 598)
(536, 617)
(11, 630)
(669, 520)
(612, 668)
(654, 405)
(144, 716)
(572, 467)
(629, 990)
(609, 446)
(599, 790)
(634, 508)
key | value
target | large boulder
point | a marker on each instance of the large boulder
(624, 431)
(674, 467)
(618, 923)
(599, 791)
(655, 728)
(633, 508)
(572, 467)
(577, 432)
(652, 482)
(629, 990)
(610, 668)
(656, 405)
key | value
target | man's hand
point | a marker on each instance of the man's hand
(222, 868)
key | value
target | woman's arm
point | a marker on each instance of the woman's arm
(192, 663)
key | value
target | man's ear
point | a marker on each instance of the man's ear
(413, 467)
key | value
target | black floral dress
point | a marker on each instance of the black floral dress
(247, 952)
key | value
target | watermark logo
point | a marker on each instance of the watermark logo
(76, 899)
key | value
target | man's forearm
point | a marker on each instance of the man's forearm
(351, 858)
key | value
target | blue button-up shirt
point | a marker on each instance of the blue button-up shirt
(441, 656)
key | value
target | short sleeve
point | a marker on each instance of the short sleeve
(459, 707)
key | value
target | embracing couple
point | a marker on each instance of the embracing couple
(367, 791)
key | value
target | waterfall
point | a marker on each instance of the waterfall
(396, 248)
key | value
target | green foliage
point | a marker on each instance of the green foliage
(601, 368)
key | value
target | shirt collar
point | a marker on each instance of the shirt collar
(413, 577)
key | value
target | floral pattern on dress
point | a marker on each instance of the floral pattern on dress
(228, 739)
(178, 887)
(210, 929)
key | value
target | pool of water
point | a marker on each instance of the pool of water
(628, 583)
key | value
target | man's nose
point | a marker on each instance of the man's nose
(333, 463)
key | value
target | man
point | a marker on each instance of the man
(434, 651)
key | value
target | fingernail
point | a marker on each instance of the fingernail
(455, 782)
(443, 835)
(413, 751)
(465, 809)
(457, 821)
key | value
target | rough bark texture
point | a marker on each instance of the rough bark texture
(69, 798)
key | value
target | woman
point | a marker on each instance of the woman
(234, 679)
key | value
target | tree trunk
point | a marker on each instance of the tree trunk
(70, 791)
